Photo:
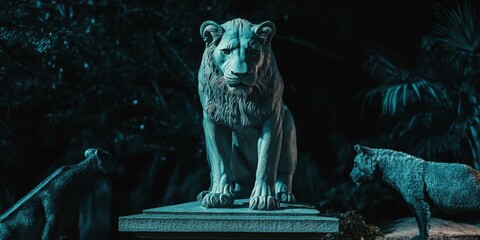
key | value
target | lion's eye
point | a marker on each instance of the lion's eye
(254, 52)
(226, 51)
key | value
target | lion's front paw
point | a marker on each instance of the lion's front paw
(201, 195)
(217, 200)
(264, 203)
(263, 197)
(286, 197)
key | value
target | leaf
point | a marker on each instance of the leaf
(458, 29)
(415, 88)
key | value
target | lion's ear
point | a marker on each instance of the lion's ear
(210, 30)
(361, 149)
(265, 31)
(357, 149)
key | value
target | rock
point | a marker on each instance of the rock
(440, 229)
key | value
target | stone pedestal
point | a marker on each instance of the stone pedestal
(191, 221)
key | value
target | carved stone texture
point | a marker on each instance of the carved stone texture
(191, 221)
(449, 187)
(249, 133)
(53, 204)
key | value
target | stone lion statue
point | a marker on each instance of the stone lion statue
(249, 133)
(449, 187)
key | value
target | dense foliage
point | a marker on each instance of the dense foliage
(79, 74)
(433, 106)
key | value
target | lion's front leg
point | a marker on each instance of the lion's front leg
(218, 140)
(269, 144)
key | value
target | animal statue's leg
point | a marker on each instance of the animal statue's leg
(51, 218)
(422, 215)
(218, 141)
(269, 144)
(288, 159)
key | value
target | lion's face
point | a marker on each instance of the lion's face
(104, 162)
(363, 166)
(240, 50)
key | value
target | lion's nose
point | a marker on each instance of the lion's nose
(240, 75)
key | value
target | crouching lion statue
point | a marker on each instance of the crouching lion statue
(450, 187)
(250, 135)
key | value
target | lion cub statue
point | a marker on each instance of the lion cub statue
(249, 133)
(450, 187)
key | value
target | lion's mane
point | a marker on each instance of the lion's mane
(233, 109)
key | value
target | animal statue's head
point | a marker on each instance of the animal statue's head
(364, 165)
(103, 162)
(240, 52)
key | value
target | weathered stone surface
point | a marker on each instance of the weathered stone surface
(191, 220)
(406, 228)
(250, 134)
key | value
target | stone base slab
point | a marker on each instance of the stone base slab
(191, 221)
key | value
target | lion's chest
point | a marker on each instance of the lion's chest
(237, 120)
(237, 113)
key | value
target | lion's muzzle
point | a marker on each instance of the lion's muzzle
(240, 85)
(357, 177)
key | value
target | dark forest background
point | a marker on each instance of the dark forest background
(121, 75)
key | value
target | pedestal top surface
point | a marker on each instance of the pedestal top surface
(240, 208)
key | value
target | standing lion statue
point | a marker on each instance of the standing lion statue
(449, 187)
(249, 133)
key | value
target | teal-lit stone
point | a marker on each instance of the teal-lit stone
(190, 220)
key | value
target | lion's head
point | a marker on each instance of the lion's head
(239, 83)
(364, 165)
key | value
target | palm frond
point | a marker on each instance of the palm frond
(395, 96)
(458, 32)
(458, 29)
(399, 85)
(438, 66)
(382, 69)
